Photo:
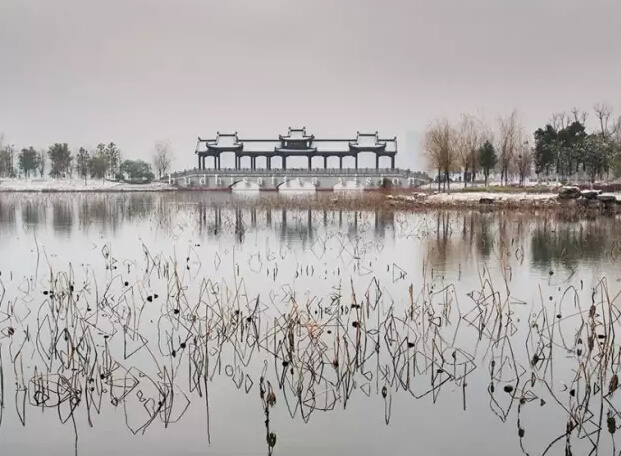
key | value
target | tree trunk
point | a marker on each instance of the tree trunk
(465, 176)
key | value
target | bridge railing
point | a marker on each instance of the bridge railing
(330, 172)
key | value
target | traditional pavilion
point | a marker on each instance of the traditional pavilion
(296, 143)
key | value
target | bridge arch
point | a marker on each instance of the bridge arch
(245, 185)
(297, 185)
(347, 185)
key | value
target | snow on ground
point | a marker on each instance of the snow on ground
(470, 198)
(476, 196)
(76, 185)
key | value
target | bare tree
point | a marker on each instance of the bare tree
(509, 142)
(524, 161)
(440, 142)
(579, 116)
(608, 126)
(162, 158)
(468, 142)
(560, 120)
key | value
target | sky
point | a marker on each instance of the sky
(137, 71)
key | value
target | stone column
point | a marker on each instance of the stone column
(377, 161)
(284, 162)
(325, 162)
(356, 160)
(199, 162)
(341, 162)
(392, 162)
(268, 159)
(309, 162)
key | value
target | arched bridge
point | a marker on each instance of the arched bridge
(296, 179)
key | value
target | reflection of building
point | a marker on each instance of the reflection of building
(383, 219)
(297, 143)
(290, 224)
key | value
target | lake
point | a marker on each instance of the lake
(207, 323)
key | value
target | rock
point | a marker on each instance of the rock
(607, 198)
(569, 192)
(590, 194)
(486, 200)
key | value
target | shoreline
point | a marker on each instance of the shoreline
(406, 200)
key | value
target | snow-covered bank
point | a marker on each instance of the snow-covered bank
(78, 185)
(500, 199)
(469, 197)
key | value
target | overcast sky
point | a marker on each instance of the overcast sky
(134, 72)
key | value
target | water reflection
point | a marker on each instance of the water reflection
(62, 216)
(571, 244)
(34, 213)
(192, 306)
(456, 235)
(8, 209)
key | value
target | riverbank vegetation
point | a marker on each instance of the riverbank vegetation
(104, 162)
(563, 150)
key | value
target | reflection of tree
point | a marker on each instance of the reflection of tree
(440, 245)
(7, 214)
(570, 244)
(33, 213)
(62, 215)
(297, 225)
(460, 234)
(384, 218)
(484, 235)
(100, 211)
(137, 207)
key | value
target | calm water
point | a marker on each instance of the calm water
(181, 324)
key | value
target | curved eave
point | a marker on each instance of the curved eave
(216, 148)
(373, 148)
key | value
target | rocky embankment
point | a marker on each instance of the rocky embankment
(565, 197)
